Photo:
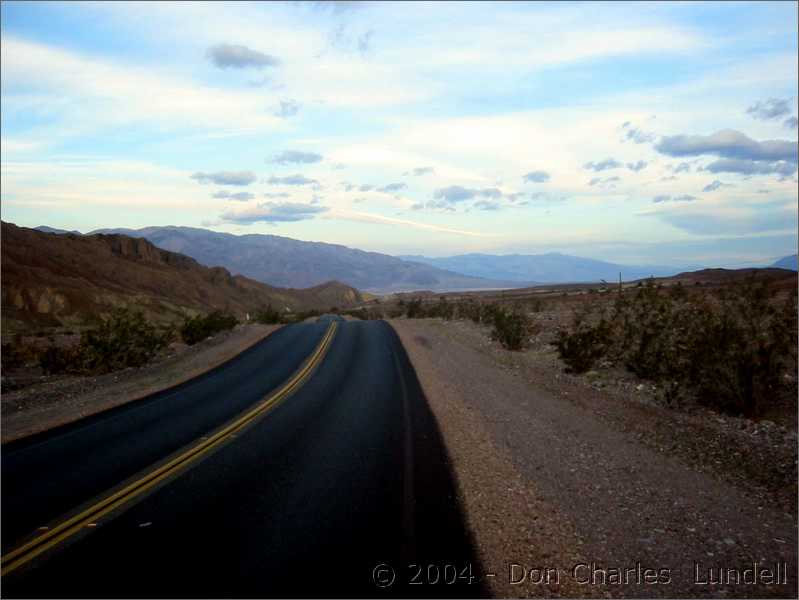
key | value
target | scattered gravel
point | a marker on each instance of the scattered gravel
(560, 470)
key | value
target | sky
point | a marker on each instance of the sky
(643, 133)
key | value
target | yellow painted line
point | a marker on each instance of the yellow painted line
(66, 529)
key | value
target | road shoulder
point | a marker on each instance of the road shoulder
(548, 479)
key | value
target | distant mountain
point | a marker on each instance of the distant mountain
(287, 262)
(787, 262)
(46, 229)
(52, 280)
(545, 268)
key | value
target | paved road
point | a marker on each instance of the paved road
(346, 472)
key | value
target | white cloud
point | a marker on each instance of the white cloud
(88, 93)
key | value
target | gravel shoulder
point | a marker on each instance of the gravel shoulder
(59, 400)
(557, 471)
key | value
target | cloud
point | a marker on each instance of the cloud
(366, 187)
(637, 166)
(365, 42)
(291, 180)
(232, 56)
(422, 171)
(454, 193)
(608, 182)
(666, 198)
(740, 223)
(728, 143)
(636, 135)
(240, 196)
(294, 157)
(392, 187)
(446, 197)
(537, 176)
(273, 212)
(85, 93)
(770, 109)
(226, 177)
(791, 122)
(491, 192)
(714, 185)
(683, 167)
(487, 205)
(372, 218)
(603, 165)
(287, 108)
(752, 167)
(276, 194)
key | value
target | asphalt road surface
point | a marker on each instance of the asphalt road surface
(310, 465)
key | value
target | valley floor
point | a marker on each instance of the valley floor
(557, 471)
(62, 399)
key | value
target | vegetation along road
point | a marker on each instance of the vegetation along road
(293, 470)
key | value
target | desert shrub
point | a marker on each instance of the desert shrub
(414, 309)
(17, 353)
(196, 329)
(740, 352)
(442, 309)
(536, 305)
(300, 316)
(268, 315)
(469, 309)
(730, 351)
(366, 314)
(582, 347)
(55, 359)
(360, 313)
(393, 312)
(512, 328)
(124, 339)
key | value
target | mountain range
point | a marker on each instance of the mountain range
(552, 267)
(283, 261)
(68, 279)
(788, 262)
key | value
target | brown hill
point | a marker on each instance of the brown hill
(68, 280)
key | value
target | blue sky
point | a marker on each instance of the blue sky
(659, 133)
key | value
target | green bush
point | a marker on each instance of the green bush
(511, 328)
(17, 353)
(196, 329)
(414, 309)
(300, 316)
(442, 310)
(268, 316)
(730, 351)
(124, 339)
(581, 348)
(56, 360)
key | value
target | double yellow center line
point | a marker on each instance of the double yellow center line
(187, 458)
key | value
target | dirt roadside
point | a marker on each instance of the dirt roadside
(554, 472)
(61, 400)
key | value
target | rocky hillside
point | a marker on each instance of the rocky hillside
(67, 280)
(287, 262)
